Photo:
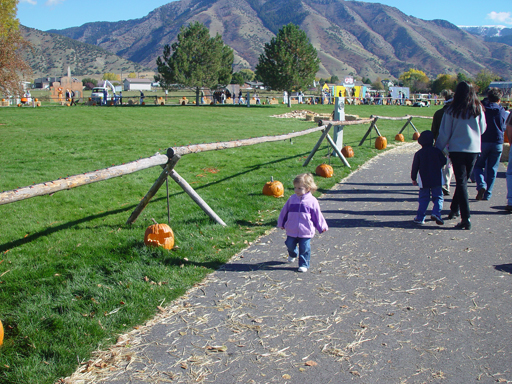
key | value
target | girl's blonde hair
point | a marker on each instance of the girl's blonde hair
(307, 180)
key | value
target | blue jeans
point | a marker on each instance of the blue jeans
(486, 167)
(463, 163)
(424, 200)
(509, 179)
(304, 251)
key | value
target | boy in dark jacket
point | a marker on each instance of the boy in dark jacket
(491, 144)
(428, 162)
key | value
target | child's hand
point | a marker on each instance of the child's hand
(415, 183)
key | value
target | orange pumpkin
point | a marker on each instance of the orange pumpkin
(159, 235)
(325, 170)
(36, 100)
(1, 333)
(24, 100)
(381, 142)
(400, 137)
(273, 188)
(415, 135)
(143, 103)
(347, 151)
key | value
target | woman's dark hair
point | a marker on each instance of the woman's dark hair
(465, 102)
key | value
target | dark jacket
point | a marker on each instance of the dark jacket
(495, 117)
(436, 120)
(428, 162)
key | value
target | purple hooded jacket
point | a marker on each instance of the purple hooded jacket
(300, 216)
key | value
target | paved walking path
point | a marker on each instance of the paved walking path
(385, 301)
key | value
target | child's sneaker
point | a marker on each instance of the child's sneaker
(291, 259)
(418, 221)
(303, 269)
(437, 219)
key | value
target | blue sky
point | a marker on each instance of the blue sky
(59, 14)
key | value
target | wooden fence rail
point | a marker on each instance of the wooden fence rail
(79, 180)
(69, 182)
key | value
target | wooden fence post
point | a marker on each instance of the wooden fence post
(372, 126)
(198, 200)
(317, 145)
(154, 189)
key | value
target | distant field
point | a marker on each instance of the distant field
(73, 275)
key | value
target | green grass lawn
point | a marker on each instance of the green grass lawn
(73, 276)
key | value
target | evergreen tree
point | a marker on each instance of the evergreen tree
(289, 61)
(195, 60)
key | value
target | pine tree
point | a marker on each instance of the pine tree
(196, 60)
(289, 61)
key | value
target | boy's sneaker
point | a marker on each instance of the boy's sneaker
(291, 259)
(418, 221)
(303, 269)
(437, 219)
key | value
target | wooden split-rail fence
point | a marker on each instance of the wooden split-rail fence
(173, 155)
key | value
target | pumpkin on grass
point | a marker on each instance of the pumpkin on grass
(159, 235)
(400, 137)
(347, 151)
(324, 170)
(416, 135)
(273, 188)
(381, 142)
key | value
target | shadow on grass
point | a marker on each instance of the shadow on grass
(68, 225)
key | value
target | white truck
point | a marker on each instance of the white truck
(98, 93)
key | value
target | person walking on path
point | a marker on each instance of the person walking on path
(436, 123)
(428, 162)
(486, 166)
(461, 128)
(300, 216)
(509, 167)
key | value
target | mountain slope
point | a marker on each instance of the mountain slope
(352, 37)
(52, 54)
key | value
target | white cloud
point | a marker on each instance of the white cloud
(501, 17)
(53, 2)
(33, 2)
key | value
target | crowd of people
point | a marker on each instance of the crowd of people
(466, 141)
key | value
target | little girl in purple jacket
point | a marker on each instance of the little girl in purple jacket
(300, 217)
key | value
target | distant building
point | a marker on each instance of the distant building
(137, 84)
(45, 82)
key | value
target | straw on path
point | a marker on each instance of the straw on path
(384, 301)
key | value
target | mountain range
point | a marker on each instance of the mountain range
(51, 54)
(351, 37)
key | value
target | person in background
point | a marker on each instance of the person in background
(486, 166)
(447, 94)
(509, 167)
(462, 126)
(428, 162)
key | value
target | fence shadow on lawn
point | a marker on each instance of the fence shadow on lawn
(48, 231)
